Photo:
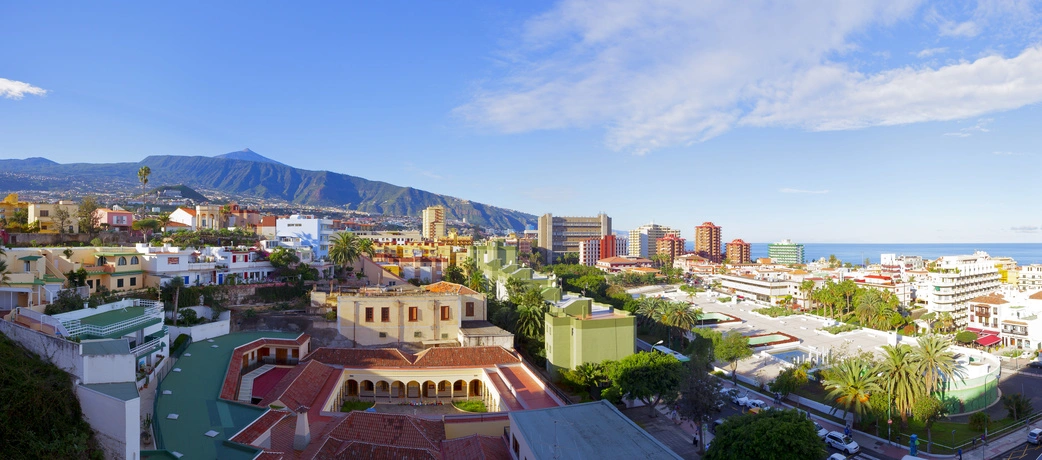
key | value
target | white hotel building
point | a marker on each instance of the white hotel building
(955, 280)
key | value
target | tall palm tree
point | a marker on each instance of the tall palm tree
(529, 321)
(851, 383)
(650, 309)
(343, 249)
(900, 375)
(3, 267)
(142, 176)
(679, 316)
(945, 321)
(935, 362)
(806, 287)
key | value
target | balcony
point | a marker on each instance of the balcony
(152, 343)
(201, 266)
(115, 323)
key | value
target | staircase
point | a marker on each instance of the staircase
(246, 384)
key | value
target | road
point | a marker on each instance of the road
(1022, 452)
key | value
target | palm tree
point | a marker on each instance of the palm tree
(142, 176)
(529, 321)
(900, 375)
(851, 383)
(3, 267)
(935, 362)
(945, 321)
(343, 249)
(806, 287)
(679, 315)
(650, 309)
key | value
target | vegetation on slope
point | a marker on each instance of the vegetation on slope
(41, 415)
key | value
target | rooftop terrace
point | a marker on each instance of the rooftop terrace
(194, 398)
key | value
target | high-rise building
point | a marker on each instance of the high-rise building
(785, 252)
(563, 234)
(672, 246)
(433, 222)
(643, 241)
(739, 252)
(955, 280)
(592, 250)
(708, 242)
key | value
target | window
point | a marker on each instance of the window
(414, 313)
(133, 281)
(133, 260)
(383, 334)
(119, 282)
(102, 260)
(470, 308)
(173, 260)
(385, 314)
(90, 284)
(517, 447)
(444, 312)
(27, 267)
(122, 261)
(368, 314)
(45, 213)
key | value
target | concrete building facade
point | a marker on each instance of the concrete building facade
(559, 235)
(785, 252)
(433, 223)
(305, 231)
(643, 240)
(580, 331)
(954, 280)
(739, 252)
(708, 241)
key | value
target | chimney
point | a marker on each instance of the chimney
(302, 435)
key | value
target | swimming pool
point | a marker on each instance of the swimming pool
(795, 355)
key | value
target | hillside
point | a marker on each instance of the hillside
(279, 182)
(186, 192)
(41, 415)
(248, 155)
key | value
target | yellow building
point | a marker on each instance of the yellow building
(115, 269)
(10, 204)
(31, 282)
(46, 214)
(433, 222)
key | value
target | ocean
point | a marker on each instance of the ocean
(1023, 253)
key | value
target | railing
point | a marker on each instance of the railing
(44, 319)
(148, 346)
(201, 265)
(152, 312)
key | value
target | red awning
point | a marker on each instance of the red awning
(973, 330)
(989, 340)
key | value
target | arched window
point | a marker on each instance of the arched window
(133, 260)
(122, 261)
(102, 260)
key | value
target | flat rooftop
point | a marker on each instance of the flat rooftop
(113, 316)
(194, 397)
(590, 430)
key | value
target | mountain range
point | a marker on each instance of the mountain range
(246, 173)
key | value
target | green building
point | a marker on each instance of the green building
(785, 252)
(581, 331)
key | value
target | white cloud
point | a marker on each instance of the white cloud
(673, 72)
(966, 29)
(929, 52)
(810, 192)
(980, 127)
(1025, 229)
(13, 89)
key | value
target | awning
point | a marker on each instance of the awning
(989, 340)
(974, 330)
(30, 258)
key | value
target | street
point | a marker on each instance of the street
(1024, 451)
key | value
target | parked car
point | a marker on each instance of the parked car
(712, 428)
(822, 432)
(842, 443)
(837, 457)
(757, 403)
(1035, 364)
(1034, 436)
(740, 401)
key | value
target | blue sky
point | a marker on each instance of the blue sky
(888, 121)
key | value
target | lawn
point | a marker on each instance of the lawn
(471, 406)
(942, 433)
(354, 404)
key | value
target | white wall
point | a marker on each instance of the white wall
(109, 368)
(60, 352)
(115, 422)
(203, 331)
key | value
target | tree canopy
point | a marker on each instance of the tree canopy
(649, 377)
(733, 347)
(768, 435)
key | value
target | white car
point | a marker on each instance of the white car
(740, 401)
(837, 457)
(757, 403)
(822, 432)
(842, 443)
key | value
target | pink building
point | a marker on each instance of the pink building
(115, 220)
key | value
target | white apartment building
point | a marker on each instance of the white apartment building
(955, 280)
(305, 231)
(643, 240)
(162, 264)
(590, 250)
(1011, 316)
(763, 287)
(242, 263)
(1030, 276)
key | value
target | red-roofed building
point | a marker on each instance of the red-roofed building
(617, 264)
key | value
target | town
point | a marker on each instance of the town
(221, 331)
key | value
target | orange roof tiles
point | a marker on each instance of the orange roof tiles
(231, 378)
(268, 221)
(360, 357)
(302, 386)
(190, 211)
(260, 426)
(993, 299)
(443, 287)
(476, 447)
(464, 357)
(395, 430)
(1036, 296)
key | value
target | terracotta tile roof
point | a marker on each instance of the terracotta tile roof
(464, 357)
(350, 450)
(260, 426)
(1036, 296)
(175, 224)
(302, 386)
(269, 456)
(190, 211)
(360, 357)
(443, 287)
(268, 221)
(231, 378)
(476, 447)
(993, 299)
(390, 430)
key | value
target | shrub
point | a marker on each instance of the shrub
(979, 420)
(965, 337)
(840, 328)
(471, 406)
(331, 315)
(723, 299)
(774, 312)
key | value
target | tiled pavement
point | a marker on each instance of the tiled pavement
(676, 437)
